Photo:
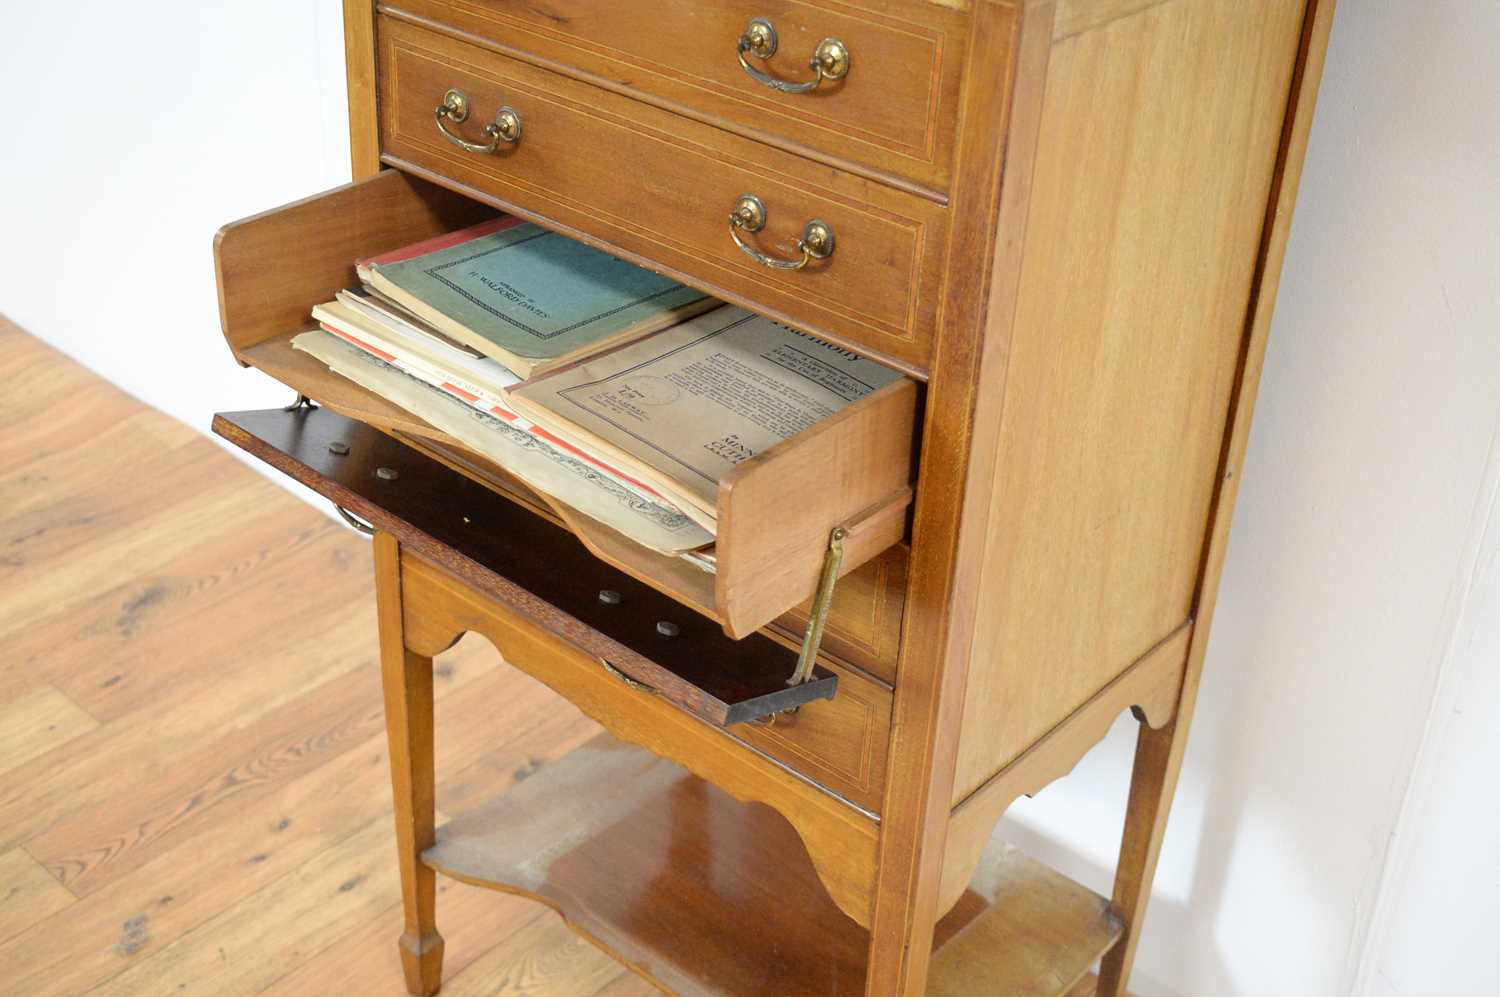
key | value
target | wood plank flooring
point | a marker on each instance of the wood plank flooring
(193, 786)
(193, 782)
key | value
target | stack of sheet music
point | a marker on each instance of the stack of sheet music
(616, 391)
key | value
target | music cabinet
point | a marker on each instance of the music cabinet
(1064, 220)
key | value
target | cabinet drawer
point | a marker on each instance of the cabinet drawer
(659, 189)
(891, 115)
(838, 743)
(541, 575)
(776, 510)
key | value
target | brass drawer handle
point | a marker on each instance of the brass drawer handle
(830, 60)
(455, 107)
(749, 215)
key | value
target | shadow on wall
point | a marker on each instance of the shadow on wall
(1233, 832)
(1266, 851)
(1171, 923)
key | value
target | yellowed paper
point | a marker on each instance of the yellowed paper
(544, 468)
(682, 407)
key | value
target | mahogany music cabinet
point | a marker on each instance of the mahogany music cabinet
(1064, 220)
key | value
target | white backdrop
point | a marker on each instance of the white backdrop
(131, 133)
(1336, 827)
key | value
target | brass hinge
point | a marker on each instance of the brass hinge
(813, 639)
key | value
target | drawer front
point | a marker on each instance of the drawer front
(839, 743)
(658, 189)
(892, 114)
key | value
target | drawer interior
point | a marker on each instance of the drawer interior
(776, 511)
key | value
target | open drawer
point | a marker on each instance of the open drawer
(777, 511)
(529, 564)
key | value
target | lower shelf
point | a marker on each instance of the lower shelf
(705, 895)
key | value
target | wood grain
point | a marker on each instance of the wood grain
(189, 661)
(37, 722)
(246, 682)
(228, 860)
(241, 950)
(1080, 312)
(853, 469)
(157, 535)
(700, 918)
(890, 119)
(542, 957)
(662, 194)
(123, 644)
(1123, 353)
(359, 63)
(1159, 754)
(706, 914)
(28, 893)
(406, 681)
(477, 926)
(1006, 67)
(274, 267)
(841, 840)
(1151, 685)
(1077, 16)
(1049, 930)
(224, 777)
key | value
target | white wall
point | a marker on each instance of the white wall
(1359, 621)
(131, 133)
(1434, 923)
(1335, 831)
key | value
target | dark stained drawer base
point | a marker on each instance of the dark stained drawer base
(529, 563)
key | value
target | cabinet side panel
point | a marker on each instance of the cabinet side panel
(359, 61)
(1158, 145)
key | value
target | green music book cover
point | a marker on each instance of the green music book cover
(526, 296)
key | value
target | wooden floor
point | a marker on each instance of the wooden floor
(194, 796)
(193, 782)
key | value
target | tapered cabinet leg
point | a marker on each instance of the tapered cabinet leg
(407, 681)
(1158, 759)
